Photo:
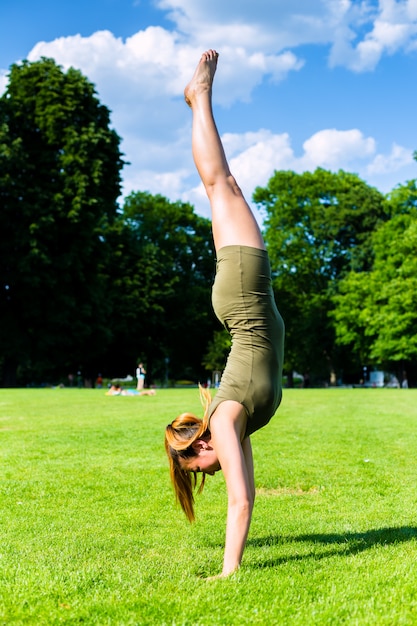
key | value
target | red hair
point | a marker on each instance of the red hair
(179, 438)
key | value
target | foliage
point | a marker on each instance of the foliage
(217, 351)
(161, 274)
(376, 311)
(91, 534)
(59, 181)
(85, 285)
(354, 302)
(318, 227)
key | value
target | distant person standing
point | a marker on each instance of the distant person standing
(140, 375)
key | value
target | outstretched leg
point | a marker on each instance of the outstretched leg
(233, 222)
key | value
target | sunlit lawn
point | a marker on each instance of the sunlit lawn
(90, 533)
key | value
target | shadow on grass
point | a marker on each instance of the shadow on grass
(344, 543)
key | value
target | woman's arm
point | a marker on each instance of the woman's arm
(247, 453)
(227, 429)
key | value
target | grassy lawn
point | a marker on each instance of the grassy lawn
(90, 534)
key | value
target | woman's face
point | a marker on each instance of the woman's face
(206, 460)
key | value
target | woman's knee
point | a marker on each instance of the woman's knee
(226, 187)
(232, 183)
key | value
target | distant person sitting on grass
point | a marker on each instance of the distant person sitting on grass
(144, 392)
(250, 389)
(116, 390)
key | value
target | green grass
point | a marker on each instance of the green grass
(90, 534)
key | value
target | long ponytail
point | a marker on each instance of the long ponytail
(179, 438)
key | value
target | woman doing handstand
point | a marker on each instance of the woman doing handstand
(250, 389)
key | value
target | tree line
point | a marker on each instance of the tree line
(344, 258)
(89, 285)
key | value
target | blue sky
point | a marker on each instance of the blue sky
(300, 83)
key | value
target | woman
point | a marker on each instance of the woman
(140, 375)
(250, 388)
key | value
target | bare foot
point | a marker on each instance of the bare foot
(203, 76)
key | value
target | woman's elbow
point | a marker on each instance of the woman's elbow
(244, 506)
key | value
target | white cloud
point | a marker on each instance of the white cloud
(412, 9)
(366, 33)
(333, 148)
(150, 61)
(359, 32)
(3, 81)
(398, 158)
(169, 184)
(265, 24)
(256, 163)
(155, 63)
(262, 36)
(255, 156)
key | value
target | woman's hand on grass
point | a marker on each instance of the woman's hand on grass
(221, 576)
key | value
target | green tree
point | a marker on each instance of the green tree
(217, 351)
(376, 311)
(59, 181)
(162, 272)
(318, 227)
